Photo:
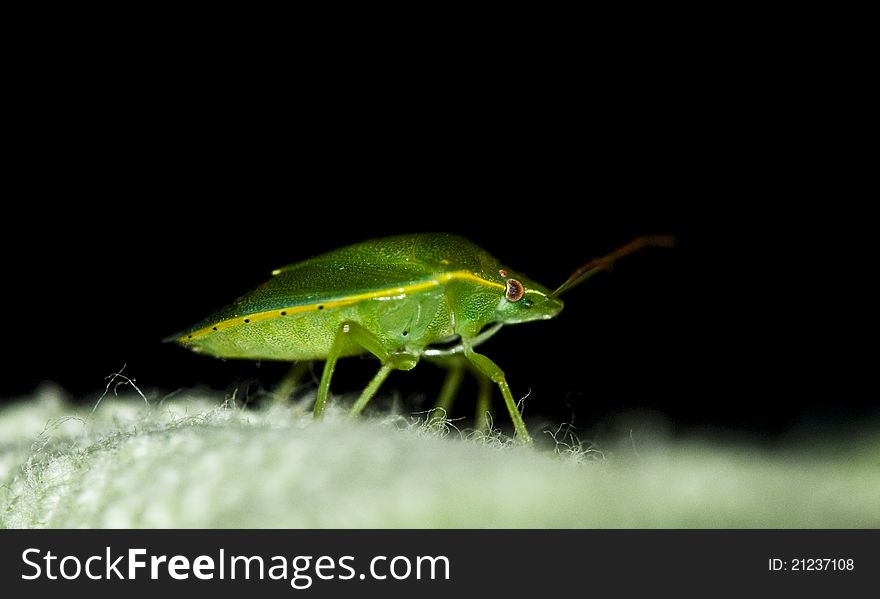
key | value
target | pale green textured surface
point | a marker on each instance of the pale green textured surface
(192, 463)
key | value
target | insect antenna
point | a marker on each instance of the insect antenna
(597, 265)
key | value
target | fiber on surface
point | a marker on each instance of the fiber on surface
(198, 462)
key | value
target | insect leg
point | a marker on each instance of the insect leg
(451, 384)
(371, 389)
(351, 333)
(291, 381)
(484, 402)
(494, 372)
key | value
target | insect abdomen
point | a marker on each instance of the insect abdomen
(404, 323)
(303, 336)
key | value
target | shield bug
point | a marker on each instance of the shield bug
(398, 298)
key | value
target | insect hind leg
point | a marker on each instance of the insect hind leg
(283, 392)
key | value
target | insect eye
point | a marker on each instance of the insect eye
(515, 290)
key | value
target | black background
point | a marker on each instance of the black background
(144, 193)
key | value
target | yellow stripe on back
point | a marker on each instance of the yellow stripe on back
(394, 292)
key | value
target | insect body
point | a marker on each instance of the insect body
(397, 298)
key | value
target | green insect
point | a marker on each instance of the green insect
(398, 298)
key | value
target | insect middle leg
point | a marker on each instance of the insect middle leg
(456, 366)
(351, 333)
(484, 402)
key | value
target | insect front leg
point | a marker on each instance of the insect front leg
(494, 372)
